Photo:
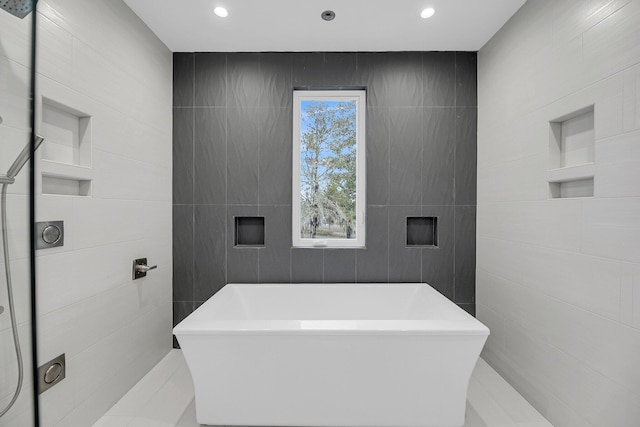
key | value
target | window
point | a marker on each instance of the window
(329, 168)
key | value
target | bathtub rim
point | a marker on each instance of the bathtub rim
(192, 325)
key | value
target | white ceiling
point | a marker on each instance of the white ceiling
(295, 25)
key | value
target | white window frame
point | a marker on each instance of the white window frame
(331, 95)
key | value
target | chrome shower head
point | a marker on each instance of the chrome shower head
(19, 8)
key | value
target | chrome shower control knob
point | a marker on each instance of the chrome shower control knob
(51, 234)
(140, 268)
(52, 373)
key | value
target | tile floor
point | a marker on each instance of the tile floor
(165, 398)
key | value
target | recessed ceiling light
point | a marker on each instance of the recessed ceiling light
(427, 13)
(221, 12)
(328, 15)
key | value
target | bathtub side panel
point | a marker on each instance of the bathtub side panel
(331, 380)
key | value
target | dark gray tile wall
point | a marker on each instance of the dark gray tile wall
(232, 157)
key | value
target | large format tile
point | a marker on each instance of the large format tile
(466, 79)
(466, 156)
(393, 79)
(242, 262)
(609, 46)
(210, 254)
(631, 120)
(465, 254)
(183, 155)
(66, 272)
(589, 282)
(210, 76)
(574, 19)
(618, 166)
(243, 137)
(324, 69)
(275, 156)
(438, 262)
(55, 51)
(210, 156)
(307, 265)
(339, 266)
(549, 223)
(121, 221)
(438, 156)
(372, 263)
(404, 262)
(405, 157)
(183, 79)
(275, 75)
(148, 139)
(275, 257)
(61, 332)
(120, 177)
(95, 389)
(439, 72)
(244, 80)
(378, 134)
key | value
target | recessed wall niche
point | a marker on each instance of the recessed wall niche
(66, 154)
(68, 134)
(572, 154)
(422, 231)
(249, 231)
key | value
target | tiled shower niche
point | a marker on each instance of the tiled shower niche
(66, 153)
(249, 231)
(572, 154)
(422, 231)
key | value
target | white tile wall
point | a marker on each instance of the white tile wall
(632, 99)
(99, 58)
(558, 280)
(611, 46)
(89, 306)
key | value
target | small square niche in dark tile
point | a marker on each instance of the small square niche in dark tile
(249, 231)
(422, 231)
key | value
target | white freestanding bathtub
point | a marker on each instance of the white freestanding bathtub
(330, 355)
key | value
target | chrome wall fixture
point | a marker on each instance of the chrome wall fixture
(140, 268)
(49, 234)
(51, 373)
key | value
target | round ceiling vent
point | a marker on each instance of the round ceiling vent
(328, 15)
